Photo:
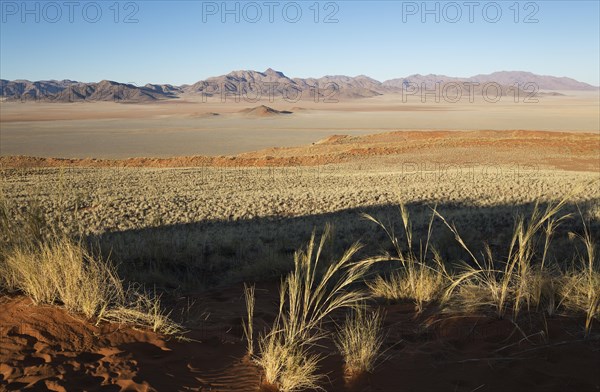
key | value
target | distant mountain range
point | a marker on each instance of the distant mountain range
(504, 78)
(71, 91)
(265, 84)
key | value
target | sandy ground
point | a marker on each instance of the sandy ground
(44, 348)
(192, 127)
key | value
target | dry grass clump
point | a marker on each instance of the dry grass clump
(580, 293)
(50, 267)
(518, 281)
(360, 339)
(289, 366)
(145, 309)
(525, 278)
(416, 277)
(62, 271)
(307, 299)
(580, 289)
(420, 283)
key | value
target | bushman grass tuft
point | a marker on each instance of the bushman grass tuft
(40, 261)
(307, 299)
(415, 278)
(360, 340)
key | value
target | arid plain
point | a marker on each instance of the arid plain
(192, 125)
(478, 223)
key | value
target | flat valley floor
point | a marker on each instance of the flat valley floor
(191, 126)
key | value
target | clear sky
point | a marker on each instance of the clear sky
(185, 41)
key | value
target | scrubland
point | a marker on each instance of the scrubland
(350, 242)
(195, 226)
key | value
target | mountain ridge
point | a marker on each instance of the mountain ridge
(270, 81)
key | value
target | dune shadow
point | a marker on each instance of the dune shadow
(216, 252)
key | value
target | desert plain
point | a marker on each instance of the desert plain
(478, 223)
(197, 125)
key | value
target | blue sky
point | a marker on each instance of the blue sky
(185, 41)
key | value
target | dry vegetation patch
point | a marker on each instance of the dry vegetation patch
(506, 246)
